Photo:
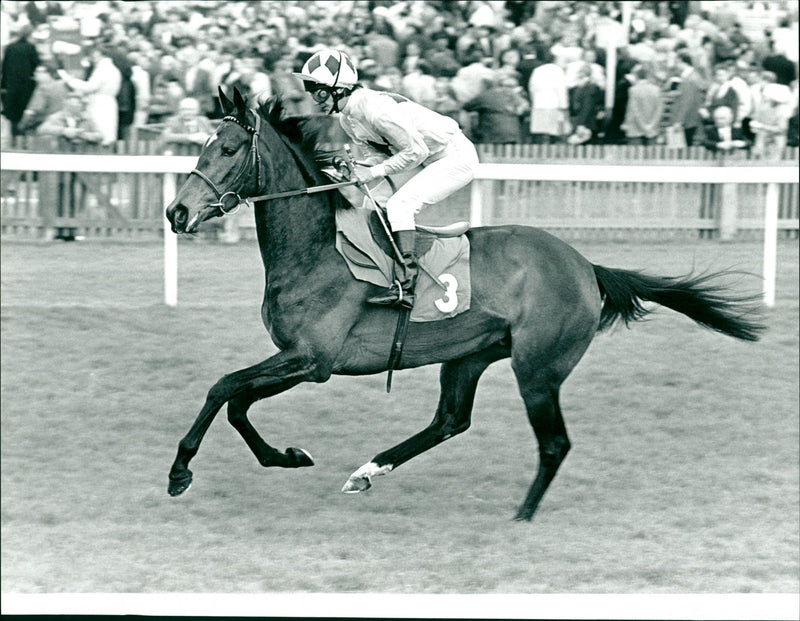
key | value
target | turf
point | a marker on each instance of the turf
(683, 475)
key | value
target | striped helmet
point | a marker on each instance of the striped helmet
(331, 68)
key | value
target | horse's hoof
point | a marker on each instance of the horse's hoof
(178, 486)
(522, 517)
(355, 485)
(299, 457)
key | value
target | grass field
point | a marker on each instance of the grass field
(683, 476)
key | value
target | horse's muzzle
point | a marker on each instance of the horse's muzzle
(178, 216)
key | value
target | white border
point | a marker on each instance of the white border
(753, 607)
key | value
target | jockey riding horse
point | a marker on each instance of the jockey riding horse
(397, 135)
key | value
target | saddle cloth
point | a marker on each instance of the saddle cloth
(360, 239)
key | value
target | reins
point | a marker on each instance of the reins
(312, 190)
(254, 159)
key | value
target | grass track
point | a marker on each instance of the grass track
(683, 475)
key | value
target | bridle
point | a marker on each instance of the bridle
(253, 159)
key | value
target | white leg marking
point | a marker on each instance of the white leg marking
(361, 479)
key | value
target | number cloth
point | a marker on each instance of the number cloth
(448, 259)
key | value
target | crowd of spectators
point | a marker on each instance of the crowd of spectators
(509, 72)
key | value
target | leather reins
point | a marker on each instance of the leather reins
(254, 159)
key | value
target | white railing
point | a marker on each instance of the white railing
(172, 165)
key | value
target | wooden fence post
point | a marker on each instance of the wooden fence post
(476, 203)
(170, 243)
(728, 208)
(770, 243)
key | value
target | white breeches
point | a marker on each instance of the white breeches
(454, 169)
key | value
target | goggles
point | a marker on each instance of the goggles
(320, 95)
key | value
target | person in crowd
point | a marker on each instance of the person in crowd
(508, 62)
(419, 85)
(167, 95)
(412, 57)
(793, 128)
(738, 39)
(723, 135)
(689, 98)
(389, 79)
(529, 51)
(567, 50)
(296, 101)
(200, 78)
(472, 78)
(440, 58)
(776, 61)
(382, 48)
(613, 129)
(770, 123)
(743, 93)
(102, 89)
(18, 82)
(445, 102)
(704, 58)
(141, 82)
(397, 135)
(784, 39)
(126, 96)
(720, 93)
(499, 110)
(259, 85)
(475, 40)
(48, 98)
(549, 98)
(188, 126)
(645, 108)
(586, 105)
(589, 57)
(73, 122)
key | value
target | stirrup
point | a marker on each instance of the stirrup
(393, 296)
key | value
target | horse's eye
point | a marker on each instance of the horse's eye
(228, 150)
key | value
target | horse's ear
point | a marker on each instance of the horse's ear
(238, 100)
(226, 103)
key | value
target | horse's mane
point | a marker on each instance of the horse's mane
(303, 136)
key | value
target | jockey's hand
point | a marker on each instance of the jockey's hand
(340, 165)
(364, 176)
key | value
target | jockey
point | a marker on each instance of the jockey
(401, 135)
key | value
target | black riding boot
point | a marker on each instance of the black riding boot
(406, 275)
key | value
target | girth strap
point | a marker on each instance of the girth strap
(399, 340)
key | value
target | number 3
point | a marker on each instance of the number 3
(449, 301)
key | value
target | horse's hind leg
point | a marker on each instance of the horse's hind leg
(544, 414)
(458, 380)
(276, 374)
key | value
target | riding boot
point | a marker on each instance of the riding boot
(401, 292)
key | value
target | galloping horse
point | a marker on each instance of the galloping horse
(534, 299)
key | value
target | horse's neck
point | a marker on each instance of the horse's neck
(293, 232)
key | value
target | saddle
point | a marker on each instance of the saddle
(443, 287)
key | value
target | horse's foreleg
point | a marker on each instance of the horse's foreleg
(265, 454)
(458, 380)
(278, 373)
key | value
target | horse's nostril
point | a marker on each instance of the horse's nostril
(178, 215)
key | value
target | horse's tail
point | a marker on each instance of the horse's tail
(696, 297)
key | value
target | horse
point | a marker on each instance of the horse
(535, 300)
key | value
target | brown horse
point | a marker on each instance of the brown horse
(534, 299)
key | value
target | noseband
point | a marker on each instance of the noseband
(253, 159)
